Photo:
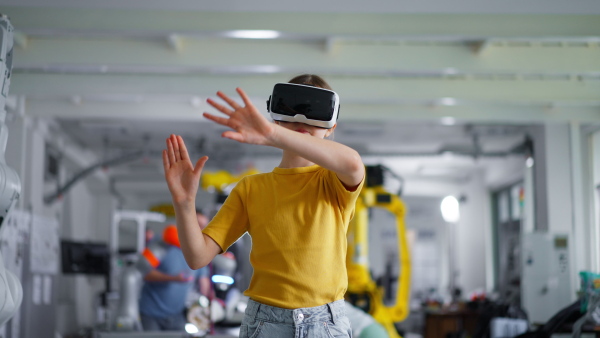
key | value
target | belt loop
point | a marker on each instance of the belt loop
(258, 305)
(254, 308)
(332, 312)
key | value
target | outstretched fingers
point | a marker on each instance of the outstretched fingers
(232, 135)
(165, 158)
(244, 97)
(220, 120)
(176, 148)
(170, 152)
(219, 107)
(183, 152)
(229, 100)
(200, 164)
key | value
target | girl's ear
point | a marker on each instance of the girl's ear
(330, 131)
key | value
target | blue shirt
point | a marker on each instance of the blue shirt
(163, 299)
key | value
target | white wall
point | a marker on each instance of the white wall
(429, 245)
(472, 230)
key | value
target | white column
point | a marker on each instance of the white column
(581, 260)
(549, 270)
(594, 240)
(16, 148)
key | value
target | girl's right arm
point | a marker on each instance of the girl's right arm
(183, 179)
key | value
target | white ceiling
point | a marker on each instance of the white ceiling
(121, 75)
(348, 6)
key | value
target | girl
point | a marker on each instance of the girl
(297, 216)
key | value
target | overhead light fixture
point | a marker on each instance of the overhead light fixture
(196, 102)
(450, 209)
(529, 162)
(447, 101)
(76, 99)
(448, 120)
(450, 71)
(253, 34)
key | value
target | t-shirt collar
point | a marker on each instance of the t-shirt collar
(299, 170)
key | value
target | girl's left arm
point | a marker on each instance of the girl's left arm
(339, 158)
(250, 126)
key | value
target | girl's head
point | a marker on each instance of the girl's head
(310, 80)
(315, 81)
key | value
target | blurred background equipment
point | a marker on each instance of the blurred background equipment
(128, 240)
(11, 291)
(231, 271)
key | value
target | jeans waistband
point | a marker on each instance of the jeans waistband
(331, 311)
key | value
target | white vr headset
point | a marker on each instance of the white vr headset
(292, 102)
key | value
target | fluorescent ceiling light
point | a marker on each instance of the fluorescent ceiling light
(196, 102)
(447, 101)
(448, 121)
(450, 71)
(253, 34)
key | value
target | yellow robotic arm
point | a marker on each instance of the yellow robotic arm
(211, 181)
(219, 180)
(362, 288)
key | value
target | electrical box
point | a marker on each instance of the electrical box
(546, 275)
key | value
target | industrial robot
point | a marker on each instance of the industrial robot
(363, 291)
(11, 291)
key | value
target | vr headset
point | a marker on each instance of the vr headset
(292, 102)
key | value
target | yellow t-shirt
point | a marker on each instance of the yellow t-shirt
(298, 219)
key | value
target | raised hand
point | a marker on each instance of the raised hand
(182, 177)
(248, 124)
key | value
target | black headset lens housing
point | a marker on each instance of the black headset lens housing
(315, 106)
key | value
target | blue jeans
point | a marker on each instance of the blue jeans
(325, 321)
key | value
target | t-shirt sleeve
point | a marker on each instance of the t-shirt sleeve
(231, 221)
(345, 197)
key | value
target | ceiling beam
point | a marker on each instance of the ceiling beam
(188, 54)
(372, 112)
(357, 89)
(294, 22)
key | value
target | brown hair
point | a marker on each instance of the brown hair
(311, 80)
